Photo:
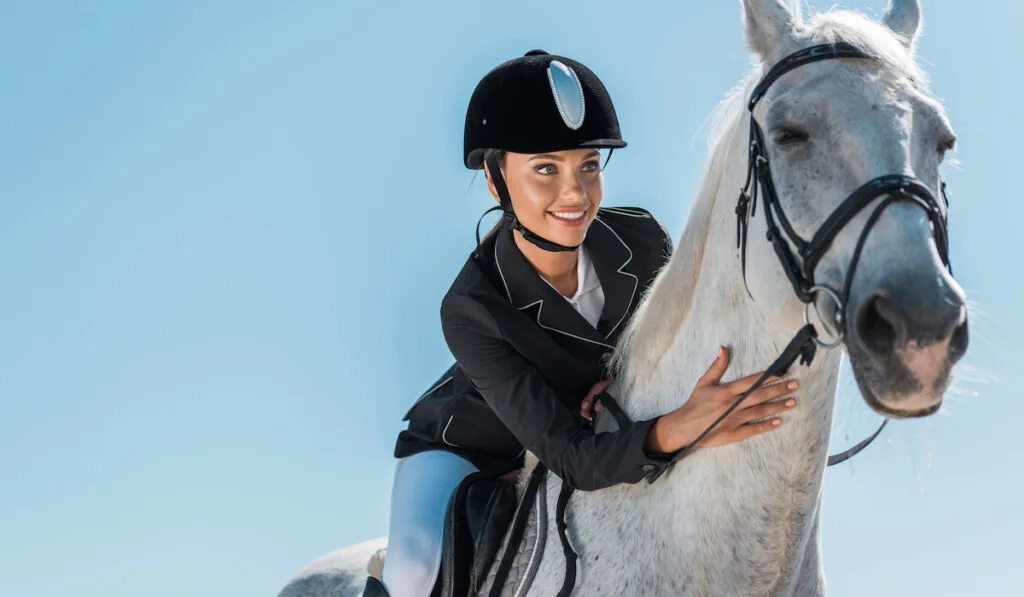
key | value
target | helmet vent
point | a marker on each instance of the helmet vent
(568, 93)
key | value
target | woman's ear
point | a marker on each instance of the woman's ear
(490, 184)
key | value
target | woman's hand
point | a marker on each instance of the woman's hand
(587, 407)
(710, 400)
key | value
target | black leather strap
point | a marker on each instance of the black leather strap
(495, 208)
(853, 451)
(608, 401)
(798, 59)
(897, 185)
(570, 555)
(515, 535)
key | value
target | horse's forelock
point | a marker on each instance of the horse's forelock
(874, 38)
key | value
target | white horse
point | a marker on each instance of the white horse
(743, 519)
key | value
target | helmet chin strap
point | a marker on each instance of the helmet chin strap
(506, 206)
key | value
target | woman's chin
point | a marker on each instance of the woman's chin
(563, 238)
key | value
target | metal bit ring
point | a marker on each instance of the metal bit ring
(838, 317)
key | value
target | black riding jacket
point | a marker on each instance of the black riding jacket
(525, 359)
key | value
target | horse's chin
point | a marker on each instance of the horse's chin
(900, 387)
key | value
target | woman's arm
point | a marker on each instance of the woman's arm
(522, 399)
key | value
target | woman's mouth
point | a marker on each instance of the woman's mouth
(569, 217)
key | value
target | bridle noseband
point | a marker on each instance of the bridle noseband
(799, 266)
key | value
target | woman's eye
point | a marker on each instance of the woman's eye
(787, 136)
(547, 169)
(591, 167)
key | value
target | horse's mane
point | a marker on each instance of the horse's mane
(667, 304)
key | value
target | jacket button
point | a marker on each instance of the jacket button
(647, 468)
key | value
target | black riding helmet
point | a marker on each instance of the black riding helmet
(535, 104)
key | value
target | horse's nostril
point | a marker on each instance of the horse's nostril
(958, 341)
(878, 326)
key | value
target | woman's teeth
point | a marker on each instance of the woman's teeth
(569, 215)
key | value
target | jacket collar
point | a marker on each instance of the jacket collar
(527, 291)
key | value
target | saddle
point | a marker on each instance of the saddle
(484, 507)
(482, 512)
(479, 513)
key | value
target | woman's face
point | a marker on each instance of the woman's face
(556, 195)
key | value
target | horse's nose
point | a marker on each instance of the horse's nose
(904, 316)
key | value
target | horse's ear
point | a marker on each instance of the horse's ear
(904, 18)
(768, 24)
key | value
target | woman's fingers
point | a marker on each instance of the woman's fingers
(761, 411)
(588, 406)
(776, 390)
(598, 388)
(738, 386)
(585, 407)
(716, 370)
(749, 430)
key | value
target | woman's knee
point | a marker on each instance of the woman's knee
(410, 577)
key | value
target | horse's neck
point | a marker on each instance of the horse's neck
(719, 490)
(721, 312)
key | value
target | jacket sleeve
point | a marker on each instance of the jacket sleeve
(517, 392)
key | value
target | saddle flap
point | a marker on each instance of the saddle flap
(489, 510)
(477, 518)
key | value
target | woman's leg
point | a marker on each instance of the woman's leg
(423, 485)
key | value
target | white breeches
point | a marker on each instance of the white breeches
(423, 485)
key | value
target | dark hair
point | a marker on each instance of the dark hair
(500, 155)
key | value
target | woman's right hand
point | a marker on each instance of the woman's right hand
(710, 400)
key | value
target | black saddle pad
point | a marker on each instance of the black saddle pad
(479, 513)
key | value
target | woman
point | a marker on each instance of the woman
(534, 314)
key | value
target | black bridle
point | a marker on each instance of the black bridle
(801, 264)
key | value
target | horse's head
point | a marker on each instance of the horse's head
(828, 127)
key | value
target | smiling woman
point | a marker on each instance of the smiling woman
(532, 319)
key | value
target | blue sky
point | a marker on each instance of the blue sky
(226, 227)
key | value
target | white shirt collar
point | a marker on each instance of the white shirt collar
(589, 297)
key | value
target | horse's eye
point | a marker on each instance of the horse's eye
(945, 146)
(789, 136)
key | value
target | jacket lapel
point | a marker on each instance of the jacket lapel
(529, 293)
(616, 268)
